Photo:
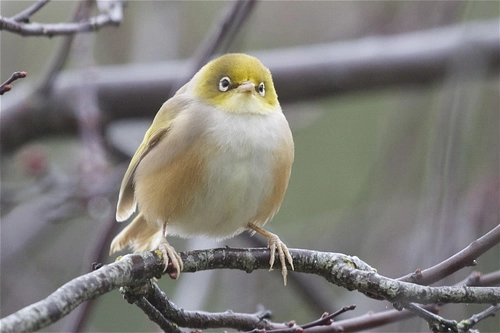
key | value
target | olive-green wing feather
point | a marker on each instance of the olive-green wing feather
(158, 130)
(126, 201)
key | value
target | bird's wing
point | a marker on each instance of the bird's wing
(159, 128)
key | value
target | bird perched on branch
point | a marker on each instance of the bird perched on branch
(215, 162)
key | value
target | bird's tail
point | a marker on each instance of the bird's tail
(138, 235)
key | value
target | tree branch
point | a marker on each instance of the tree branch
(6, 86)
(372, 320)
(345, 271)
(440, 324)
(436, 322)
(46, 83)
(25, 15)
(17, 24)
(150, 293)
(224, 31)
(479, 279)
(158, 307)
(134, 295)
(467, 324)
(462, 259)
(369, 321)
(133, 270)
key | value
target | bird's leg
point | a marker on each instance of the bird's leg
(169, 253)
(275, 243)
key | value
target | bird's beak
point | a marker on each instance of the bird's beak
(246, 86)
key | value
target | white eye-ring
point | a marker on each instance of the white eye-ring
(224, 83)
(262, 89)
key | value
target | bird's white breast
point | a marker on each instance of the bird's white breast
(239, 173)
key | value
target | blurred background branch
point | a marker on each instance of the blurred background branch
(26, 14)
(299, 74)
(219, 39)
(7, 86)
(19, 24)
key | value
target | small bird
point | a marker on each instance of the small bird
(215, 162)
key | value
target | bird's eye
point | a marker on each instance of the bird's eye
(224, 83)
(262, 89)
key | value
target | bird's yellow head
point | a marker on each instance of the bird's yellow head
(236, 83)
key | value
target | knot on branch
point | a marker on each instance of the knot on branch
(135, 292)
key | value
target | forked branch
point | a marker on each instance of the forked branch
(136, 270)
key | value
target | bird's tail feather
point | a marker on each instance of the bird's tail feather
(138, 235)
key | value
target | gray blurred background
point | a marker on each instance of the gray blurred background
(400, 175)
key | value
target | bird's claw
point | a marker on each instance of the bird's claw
(170, 254)
(275, 243)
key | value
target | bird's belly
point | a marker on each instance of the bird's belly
(232, 193)
(238, 176)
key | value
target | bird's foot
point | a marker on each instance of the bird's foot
(171, 255)
(275, 243)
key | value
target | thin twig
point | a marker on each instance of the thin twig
(436, 322)
(456, 262)
(324, 321)
(369, 321)
(243, 16)
(25, 15)
(6, 86)
(61, 55)
(113, 17)
(224, 32)
(467, 324)
(327, 318)
(479, 279)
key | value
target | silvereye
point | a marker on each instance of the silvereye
(215, 162)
